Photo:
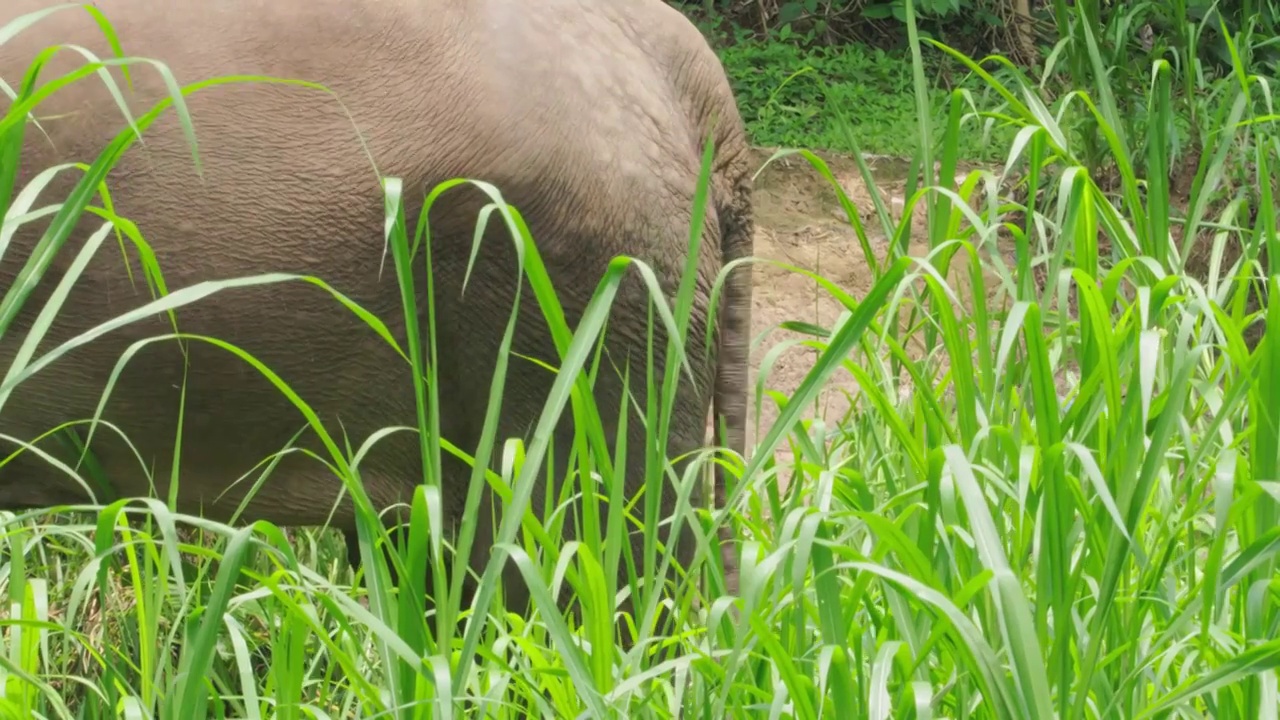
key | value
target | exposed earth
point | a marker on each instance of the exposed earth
(799, 222)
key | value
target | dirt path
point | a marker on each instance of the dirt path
(799, 222)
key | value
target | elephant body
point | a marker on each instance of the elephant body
(589, 117)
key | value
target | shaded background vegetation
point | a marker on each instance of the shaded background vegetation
(793, 60)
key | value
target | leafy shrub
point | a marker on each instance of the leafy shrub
(787, 90)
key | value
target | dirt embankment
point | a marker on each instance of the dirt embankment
(799, 222)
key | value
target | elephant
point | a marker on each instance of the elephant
(591, 119)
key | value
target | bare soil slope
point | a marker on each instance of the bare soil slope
(799, 222)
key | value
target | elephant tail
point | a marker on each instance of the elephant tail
(737, 237)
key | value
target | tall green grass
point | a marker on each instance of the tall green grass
(1065, 506)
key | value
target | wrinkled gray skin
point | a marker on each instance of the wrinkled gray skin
(589, 116)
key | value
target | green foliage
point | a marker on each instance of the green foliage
(1054, 495)
(786, 88)
(983, 26)
(880, 21)
(788, 80)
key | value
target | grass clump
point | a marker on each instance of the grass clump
(1054, 495)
